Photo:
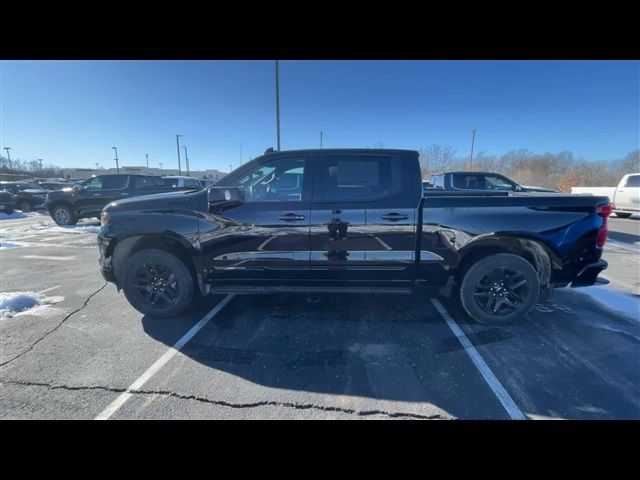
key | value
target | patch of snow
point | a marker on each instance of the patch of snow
(14, 303)
(51, 227)
(613, 300)
(7, 245)
(17, 214)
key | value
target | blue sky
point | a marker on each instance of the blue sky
(70, 113)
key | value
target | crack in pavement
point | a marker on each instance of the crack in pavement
(69, 315)
(222, 403)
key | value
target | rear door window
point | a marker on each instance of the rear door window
(146, 183)
(633, 181)
(116, 182)
(356, 178)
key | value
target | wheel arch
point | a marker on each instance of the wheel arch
(123, 248)
(540, 255)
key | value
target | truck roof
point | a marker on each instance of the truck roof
(316, 151)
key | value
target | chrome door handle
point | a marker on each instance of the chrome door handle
(291, 217)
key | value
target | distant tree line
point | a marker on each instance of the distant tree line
(29, 167)
(556, 170)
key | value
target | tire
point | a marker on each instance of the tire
(623, 215)
(490, 283)
(63, 215)
(25, 206)
(157, 283)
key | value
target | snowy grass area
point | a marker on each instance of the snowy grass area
(613, 300)
(16, 303)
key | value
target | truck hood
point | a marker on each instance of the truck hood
(182, 200)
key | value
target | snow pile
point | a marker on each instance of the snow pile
(17, 214)
(6, 245)
(50, 227)
(613, 301)
(16, 302)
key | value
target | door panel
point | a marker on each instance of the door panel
(267, 237)
(362, 225)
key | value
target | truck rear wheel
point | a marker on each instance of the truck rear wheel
(500, 289)
(157, 283)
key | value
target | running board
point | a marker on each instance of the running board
(302, 289)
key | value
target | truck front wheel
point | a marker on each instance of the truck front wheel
(157, 283)
(499, 289)
(63, 215)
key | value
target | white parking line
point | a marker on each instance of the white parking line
(494, 384)
(49, 289)
(168, 355)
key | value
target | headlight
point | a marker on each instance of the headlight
(104, 218)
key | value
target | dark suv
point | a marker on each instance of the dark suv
(88, 199)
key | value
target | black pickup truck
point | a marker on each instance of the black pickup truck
(349, 221)
(480, 181)
(88, 199)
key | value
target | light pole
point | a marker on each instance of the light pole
(240, 154)
(178, 147)
(230, 168)
(473, 140)
(40, 160)
(320, 138)
(117, 161)
(97, 165)
(186, 159)
(9, 156)
(147, 155)
(278, 103)
(160, 168)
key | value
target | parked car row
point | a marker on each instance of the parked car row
(87, 200)
(26, 196)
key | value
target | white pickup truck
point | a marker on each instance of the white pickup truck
(625, 197)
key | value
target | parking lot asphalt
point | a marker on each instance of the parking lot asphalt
(88, 354)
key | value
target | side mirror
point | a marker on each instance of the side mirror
(519, 188)
(77, 188)
(225, 195)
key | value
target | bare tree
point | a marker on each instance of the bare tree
(436, 159)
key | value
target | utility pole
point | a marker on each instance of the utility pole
(473, 140)
(147, 155)
(320, 138)
(278, 103)
(117, 163)
(160, 168)
(9, 157)
(40, 160)
(97, 165)
(178, 147)
(186, 159)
